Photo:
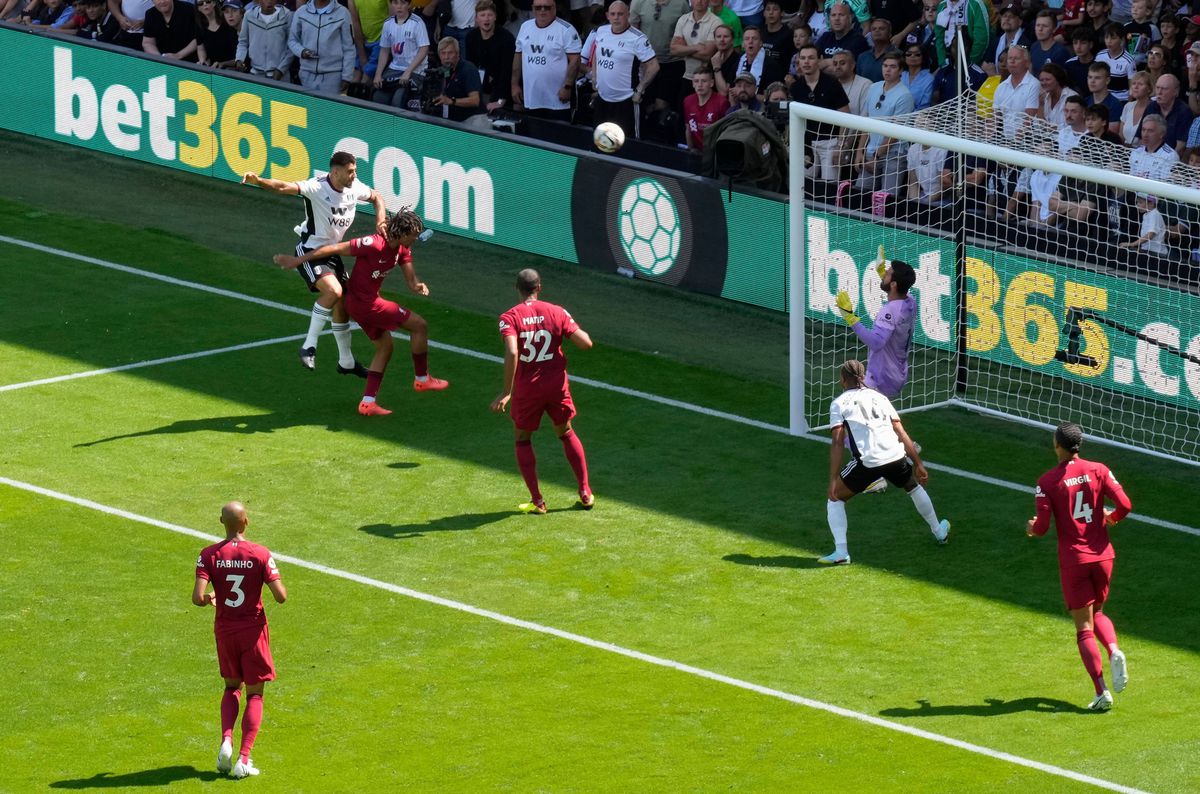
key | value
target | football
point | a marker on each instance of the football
(608, 137)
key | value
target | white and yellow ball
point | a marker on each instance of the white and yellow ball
(608, 137)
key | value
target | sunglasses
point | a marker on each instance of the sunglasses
(916, 54)
(879, 104)
(695, 29)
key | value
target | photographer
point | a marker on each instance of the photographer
(454, 85)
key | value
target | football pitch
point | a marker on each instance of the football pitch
(678, 637)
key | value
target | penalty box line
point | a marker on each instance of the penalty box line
(641, 395)
(601, 645)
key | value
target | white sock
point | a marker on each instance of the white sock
(925, 507)
(316, 324)
(341, 335)
(836, 512)
(368, 399)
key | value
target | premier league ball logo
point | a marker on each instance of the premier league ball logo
(649, 226)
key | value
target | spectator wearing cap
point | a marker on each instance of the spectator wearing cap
(973, 16)
(95, 22)
(841, 35)
(217, 37)
(1191, 76)
(881, 158)
(870, 63)
(743, 94)
(1045, 48)
(1177, 115)
(171, 31)
(263, 41)
(321, 36)
(1012, 33)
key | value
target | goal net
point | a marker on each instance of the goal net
(1056, 273)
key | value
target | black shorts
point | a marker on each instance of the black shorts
(313, 270)
(857, 476)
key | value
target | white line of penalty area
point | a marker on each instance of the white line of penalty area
(593, 643)
(680, 404)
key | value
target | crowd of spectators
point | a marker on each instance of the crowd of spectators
(1120, 73)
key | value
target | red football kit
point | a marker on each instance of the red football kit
(541, 381)
(238, 570)
(1074, 492)
(373, 260)
(697, 118)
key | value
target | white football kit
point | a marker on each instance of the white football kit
(867, 416)
(328, 213)
(543, 54)
(613, 55)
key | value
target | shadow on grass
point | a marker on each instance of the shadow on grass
(458, 523)
(247, 424)
(991, 707)
(780, 561)
(147, 777)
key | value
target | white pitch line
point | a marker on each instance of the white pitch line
(463, 351)
(597, 644)
(150, 363)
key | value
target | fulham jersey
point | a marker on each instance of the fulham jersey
(543, 54)
(328, 213)
(867, 417)
(614, 55)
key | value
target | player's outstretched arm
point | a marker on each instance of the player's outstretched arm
(288, 261)
(273, 185)
(381, 216)
(581, 339)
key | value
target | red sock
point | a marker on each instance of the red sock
(374, 381)
(1090, 655)
(573, 448)
(230, 703)
(250, 722)
(420, 364)
(1105, 631)
(527, 463)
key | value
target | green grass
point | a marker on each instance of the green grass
(700, 551)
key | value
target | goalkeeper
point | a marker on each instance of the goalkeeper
(890, 339)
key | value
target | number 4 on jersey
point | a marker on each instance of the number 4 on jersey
(1082, 511)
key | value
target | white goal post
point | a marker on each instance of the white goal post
(1034, 306)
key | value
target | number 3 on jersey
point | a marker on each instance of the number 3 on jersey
(235, 589)
(530, 341)
(1082, 511)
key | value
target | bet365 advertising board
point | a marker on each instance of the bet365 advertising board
(593, 210)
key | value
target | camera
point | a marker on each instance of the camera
(434, 87)
(777, 114)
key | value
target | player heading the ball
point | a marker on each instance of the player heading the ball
(865, 421)
(1073, 493)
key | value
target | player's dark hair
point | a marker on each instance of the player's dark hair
(341, 158)
(903, 275)
(528, 281)
(853, 372)
(404, 223)
(1069, 436)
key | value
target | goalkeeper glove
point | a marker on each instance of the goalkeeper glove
(881, 264)
(846, 308)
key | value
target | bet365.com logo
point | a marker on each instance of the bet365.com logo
(649, 226)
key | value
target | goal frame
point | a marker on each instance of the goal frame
(799, 117)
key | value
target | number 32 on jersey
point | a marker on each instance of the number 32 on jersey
(535, 346)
